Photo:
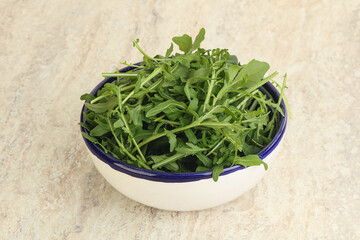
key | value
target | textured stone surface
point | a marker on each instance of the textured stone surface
(53, 51)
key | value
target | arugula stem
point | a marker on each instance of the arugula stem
(215, 147)
(271, 123)
(131, 65)
(260, 145)
(135, 42)
(125, 88)
(262, 82)
(119, 75)
(162, 59)
(110, 93)
(282, 95)
(123, 147)
(159, 135)
(242, 103)
(160, 119)
(169, 160)
(101, 97)
(152, 75)
(230, 140)
(132, 137)
(119, 97)
(148, 78)
(208, 95)
(282, 91)
(253, 105)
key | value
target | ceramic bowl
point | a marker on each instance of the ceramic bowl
(183, 191)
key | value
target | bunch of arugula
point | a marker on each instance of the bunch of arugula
(196, 111)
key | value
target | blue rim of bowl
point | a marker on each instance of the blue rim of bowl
(157, 176)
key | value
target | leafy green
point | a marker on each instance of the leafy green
(190, 149)
(102, 107)
(184, 42)
(249, 160)
(195, 111)
(172, 140)
(217, 170)
(204, 159)
(169, 104)
(98, 131)
(87, 97)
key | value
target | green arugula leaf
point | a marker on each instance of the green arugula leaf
(191, 149)
(85, 125)
(168, 160)
(233, 72)
(165, 105)
(142, 134)
(255, 70)
(169, 51)
(172, 166)
(184, 42)
(102, 107)
(199, 38)
(204, 159)
(249, 160)
(217, 170)
(87, 97)
(172, 140)
(191, 136)
(202, 169)
(193, 105)
(118, 124)
(98, 131)
(94, 140)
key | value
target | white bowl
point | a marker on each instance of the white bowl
(183, 191)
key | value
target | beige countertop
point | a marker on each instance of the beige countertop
(51, 52)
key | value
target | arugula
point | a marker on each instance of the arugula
(198, 110)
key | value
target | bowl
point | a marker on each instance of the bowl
(183, 191)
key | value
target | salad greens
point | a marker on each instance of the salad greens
(196, 111)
